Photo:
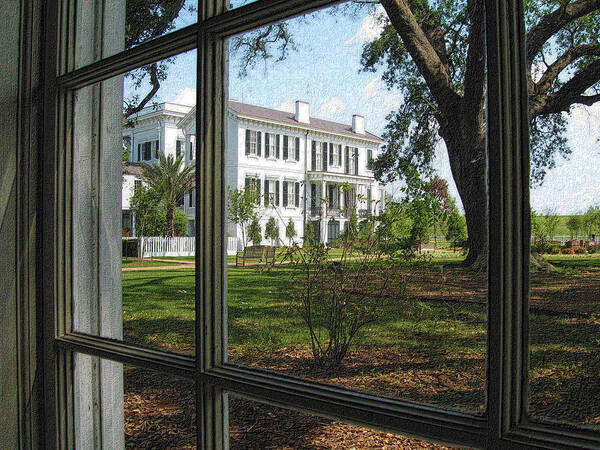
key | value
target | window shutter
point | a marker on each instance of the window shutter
(347, 160)
(267, 146)
(314, 156)
(324, 146)
(247, 142)
(156, 149)
(339, 149)
(139, 152)
(356, 161)
(297, 194)
(331, 154)
(285, 193)
(277, 152)
(370, 159)
(258, 142)
(285, 147)
(297, 149)
(277, 192)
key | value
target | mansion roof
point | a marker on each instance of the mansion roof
(258, 112)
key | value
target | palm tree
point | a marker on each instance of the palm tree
(171, 181)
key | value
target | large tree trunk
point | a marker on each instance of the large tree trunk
(170, 222)
(466, 146)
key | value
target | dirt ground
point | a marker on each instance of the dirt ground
(160, 412)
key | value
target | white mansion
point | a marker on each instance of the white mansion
(306, 169)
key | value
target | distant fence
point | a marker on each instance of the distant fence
(561, 239)
(162, 246)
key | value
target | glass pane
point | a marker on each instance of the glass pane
(118, 406)
(349, 261)
(254, 425)
(133, 244)
(124, 24)
(565, 209)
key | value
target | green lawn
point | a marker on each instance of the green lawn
(133, 262)
(430, 348)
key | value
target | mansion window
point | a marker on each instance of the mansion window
(370, 159)
(291, 148)
(253, 142)
(335, 155)
(351, 157)
(271, 192)
(146, 151)
(317, 156)
(178, 148)
(291, 194)
(271, 145)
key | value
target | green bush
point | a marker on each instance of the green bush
(541, 246)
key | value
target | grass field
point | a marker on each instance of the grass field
(431, 347)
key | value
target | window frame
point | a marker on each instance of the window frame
(506, 421)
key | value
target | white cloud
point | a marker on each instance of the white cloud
(376, 91)
(287, 107)
(371, 27)
(334, 106)
(373, 88)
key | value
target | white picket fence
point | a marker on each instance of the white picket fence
(178, 246)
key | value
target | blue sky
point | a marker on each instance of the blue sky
(324, 70)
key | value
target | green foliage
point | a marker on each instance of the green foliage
(181, 223)
(574, 225)
(456, 228)
(272, 230)
(290, 230)
(151, 214)
(150, 217)
(591, 221)
(241, 208)
(550, 222)
(254, 232)
(171, 181)
(337, 299)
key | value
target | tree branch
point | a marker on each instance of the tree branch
(553, 22)
(475, 67)
(154, 81)
(573, 91)
(572, 54)
(423, 54)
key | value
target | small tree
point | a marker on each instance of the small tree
(437, 190)
(254, 232)
(591, 221)
(550, 221)
(290, 230)
(181, 223)
(337, 299)
(272, 230)
(241, 208)
(457, 229)
(172, 180)
(146, 207)
(574, 225)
